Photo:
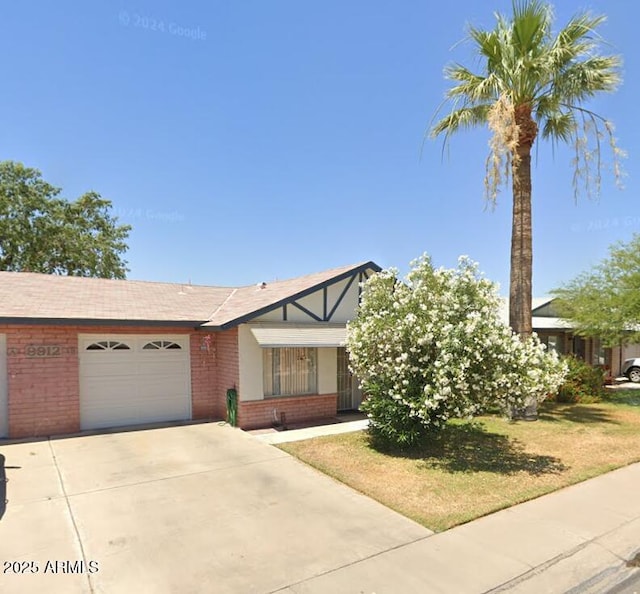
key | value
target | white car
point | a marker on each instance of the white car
(631, 370)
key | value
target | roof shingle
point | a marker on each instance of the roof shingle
(32, 296)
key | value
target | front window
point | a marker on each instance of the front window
(290, 371)
(553, 342)
(599, 353)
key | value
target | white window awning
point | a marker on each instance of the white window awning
(295, 335)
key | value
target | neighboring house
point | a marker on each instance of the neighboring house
(557, 333)
(84, 353)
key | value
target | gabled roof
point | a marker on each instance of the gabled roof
(541, 320)
(540, 302)
(27, 297)
(252, 301)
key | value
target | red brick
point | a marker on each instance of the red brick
(259, 413)
(44, 394)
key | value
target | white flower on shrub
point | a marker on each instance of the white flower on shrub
(435, 344)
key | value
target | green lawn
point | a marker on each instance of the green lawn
(476, 468)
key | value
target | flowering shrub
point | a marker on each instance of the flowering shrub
(433, 347)
(583, 383)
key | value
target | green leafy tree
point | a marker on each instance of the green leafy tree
(533, 83)
(40, 232)
(433, 347)
(604, 302)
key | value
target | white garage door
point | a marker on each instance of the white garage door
(128, 380)
(4, 408)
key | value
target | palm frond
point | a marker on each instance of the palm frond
(577, 38)
(530, 27)
(473, 88)
(582, 80)
(559, 126)
(462, 118)
(489, 46)
(524, 64)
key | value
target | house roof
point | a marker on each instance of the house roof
(252, 301)
(541, 321)
(29, 297)
(550, 323)
(539, 302)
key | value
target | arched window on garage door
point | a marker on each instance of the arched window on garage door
(161, 345)
(108, 345)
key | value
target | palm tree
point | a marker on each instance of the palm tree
(533, 82)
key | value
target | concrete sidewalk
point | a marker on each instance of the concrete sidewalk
(276, 437)
(575, 540)
(572, 541)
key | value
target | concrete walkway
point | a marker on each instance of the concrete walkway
(276, 437)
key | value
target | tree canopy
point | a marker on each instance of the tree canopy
(532, 82)
(604, 302)
(42, 232)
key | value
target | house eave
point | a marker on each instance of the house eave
(25, 321)
(299, 295)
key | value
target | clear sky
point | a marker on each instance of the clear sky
(249, 140)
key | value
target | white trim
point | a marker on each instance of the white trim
(299, 335)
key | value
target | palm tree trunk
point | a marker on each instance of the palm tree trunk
(521, 248)
(521, 239)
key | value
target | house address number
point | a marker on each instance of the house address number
(41, 351)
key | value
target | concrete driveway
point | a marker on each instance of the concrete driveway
(196, 508)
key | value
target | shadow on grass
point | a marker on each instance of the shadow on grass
(470, 448)
(575, 413)
(628, 397)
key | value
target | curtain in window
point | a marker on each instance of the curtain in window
(290, 371)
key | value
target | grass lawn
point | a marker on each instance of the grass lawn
(476, 468)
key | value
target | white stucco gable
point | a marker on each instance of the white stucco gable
(335, 302)
(315, 320)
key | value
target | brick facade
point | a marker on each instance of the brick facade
(44, 392)
(214, 369)
(204, 397)
(228, 367)
(298, 409)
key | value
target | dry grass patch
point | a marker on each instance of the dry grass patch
(472, 469)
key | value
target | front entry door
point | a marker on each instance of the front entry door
(349, 395)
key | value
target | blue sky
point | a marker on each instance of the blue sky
(254, 140)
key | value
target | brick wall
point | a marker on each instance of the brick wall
(260, 413)
(214, 369)
(227, 368)
(43, 391)
(204, 397)
(44, 394)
